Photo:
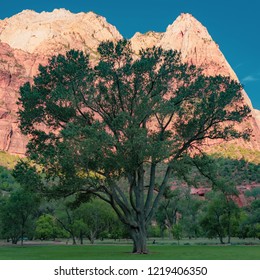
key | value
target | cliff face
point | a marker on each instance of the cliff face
(257, 117)
(30, 38)
(16, 68)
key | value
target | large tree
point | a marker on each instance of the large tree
(104, 129)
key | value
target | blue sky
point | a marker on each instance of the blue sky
(234, 25)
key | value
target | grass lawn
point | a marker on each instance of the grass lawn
(122, 252)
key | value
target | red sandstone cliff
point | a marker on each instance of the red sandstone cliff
(16, 68)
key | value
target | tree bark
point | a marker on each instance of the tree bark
(74, 240)
(221, 239)
(139, 240)
(81, 237)
(229, 227)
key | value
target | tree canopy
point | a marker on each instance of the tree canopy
(104, 129)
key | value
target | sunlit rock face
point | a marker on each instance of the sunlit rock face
(57, 31)
(30, 38)
(257, 117)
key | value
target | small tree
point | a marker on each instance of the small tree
(94, 219)
(47, 228)
(104, 130)
(16, 211)
(190, 212)
(253, 213)
(220, 216)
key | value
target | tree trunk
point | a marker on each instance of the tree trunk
(139, 239)
(229, 238)
(74, 239)
(81, 237)
(22, 235)
(229, 227)
(14, 240)
(221, 239)
(170, 235)
(92, 237)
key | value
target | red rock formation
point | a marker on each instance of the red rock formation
(241, 199)
(33, 37)
(16, 68)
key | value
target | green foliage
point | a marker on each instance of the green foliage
(16, 211)
(97, 220)
(177, 232)
(235, 152)
(216, 172)
(255, 193)
(27, 176)
(91, 220)
(190, 210)
(251, 224)
(220, 216)
(47, 228)
(7, 181)
(239, 171)
(179, 207)
(65, 217)
(169, 208)
(155, 231)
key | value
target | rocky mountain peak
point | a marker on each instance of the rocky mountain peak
(57, 31)
(189, 36)
(186, 22)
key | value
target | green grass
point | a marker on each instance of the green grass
(235, 152)
(122, 252)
